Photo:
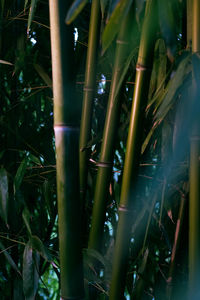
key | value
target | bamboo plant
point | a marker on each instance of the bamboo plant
(66, 136)
(123, 45)
(133, 152)
(89, 88)
(194, 206)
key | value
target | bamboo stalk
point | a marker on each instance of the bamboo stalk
(176, 244)
(89, 88)
(133, 149)
(66, 136)
(109, 134)
(194, 205)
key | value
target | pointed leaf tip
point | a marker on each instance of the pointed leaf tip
(75, 9)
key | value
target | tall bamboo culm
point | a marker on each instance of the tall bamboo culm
(194, 205)
(89, 88)
(144, 65)
(67, 141)
(109, 134)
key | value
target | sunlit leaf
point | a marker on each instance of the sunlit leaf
(4, 195)
(75, 10)
(114, 22)
(30, 272)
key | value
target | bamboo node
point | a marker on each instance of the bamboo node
(65, 128)
(141, 67)
(104, 164)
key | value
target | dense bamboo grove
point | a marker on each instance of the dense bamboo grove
(99, 151)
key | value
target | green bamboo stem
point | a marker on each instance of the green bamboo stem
(67, 137)
(109, 134)
(194, 205)
(133, 149)
(89, 88)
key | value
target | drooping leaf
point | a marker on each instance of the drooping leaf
(20, 173)
(125, 69)
(173, 86)
(43, 75)
(4, 195)
(30, 272)
(26, 217)
(9, 258)
(38, 246)
(75, 9)
(92, 253)
(34, 159)
(25, 4)
(47, 197)
(31, 14)
(114, 22)
(103, 4)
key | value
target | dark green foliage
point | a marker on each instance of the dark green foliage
(29, 251)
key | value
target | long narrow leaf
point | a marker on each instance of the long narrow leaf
(114, 23)
(31, 14)
(30, 272)
(4, 195)
(75, 9)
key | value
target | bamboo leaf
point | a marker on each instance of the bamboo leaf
(114, 22)
(25, 4)
(4, 195)
(31, 14)
(75, 9)
(38, 246)
(174, 84)
(47, 197)
(20, 173)
(93, 254)
(9, 258)
(5, 62)
(43, 75)
(103, 4)
(26, 217)
(30, 272)
(125, 69)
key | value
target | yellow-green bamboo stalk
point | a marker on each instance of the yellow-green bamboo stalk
(144, 64)
(89, 88)
(194, 205)
(109, 134)
(67, 140)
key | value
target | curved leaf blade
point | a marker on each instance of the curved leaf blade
(75, 9)
(114, 22)
(30, 272)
